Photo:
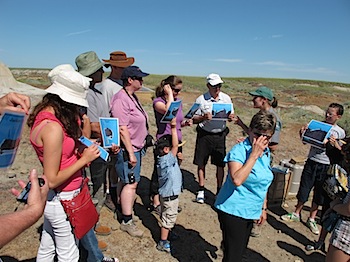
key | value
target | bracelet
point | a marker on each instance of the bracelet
(264, 209)
(172, 126)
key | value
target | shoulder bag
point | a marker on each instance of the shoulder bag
(81, 212)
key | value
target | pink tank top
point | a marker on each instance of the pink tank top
(69, 155)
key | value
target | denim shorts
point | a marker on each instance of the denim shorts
(313, 176)
(123, 167)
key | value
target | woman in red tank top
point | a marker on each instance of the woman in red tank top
(54, 135)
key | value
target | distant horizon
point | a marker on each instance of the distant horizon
(234, 77)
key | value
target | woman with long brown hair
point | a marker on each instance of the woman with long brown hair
(54, 135)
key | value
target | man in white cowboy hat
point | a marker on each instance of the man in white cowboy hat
(117, 61)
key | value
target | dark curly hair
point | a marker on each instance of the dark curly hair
(66, 113)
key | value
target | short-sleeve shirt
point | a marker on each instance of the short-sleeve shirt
(169, 175)
(319, 154)
(276, 136)
(246, 200)
(206, 103)
(126, 109)
(97, 104)
(165, 128)
(109, 88)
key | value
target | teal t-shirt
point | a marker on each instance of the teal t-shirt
(246, 200)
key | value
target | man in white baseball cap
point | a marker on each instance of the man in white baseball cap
(211, 134)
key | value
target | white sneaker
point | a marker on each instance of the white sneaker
(200, 197)
(311, 223)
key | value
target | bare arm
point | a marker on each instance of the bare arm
(161, 107)
(340, 208)
(86, 126)
(52, 139)
(239, 173)
(13, 224)
(175, 140)
(125, 137)
(95, 128)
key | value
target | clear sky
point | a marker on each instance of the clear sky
(304, 39)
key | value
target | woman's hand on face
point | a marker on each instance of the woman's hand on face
(259, 145)
(91, 153)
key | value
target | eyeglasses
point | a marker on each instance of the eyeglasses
(176, 90)
(137, 78)
(216, 86)
(259, 135)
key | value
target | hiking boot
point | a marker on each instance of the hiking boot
(102, 245)
(164, 246)
(110, 259)
(200, 197)
(256, 230)
(109, 203)
(311, 223)
(291, 217)
(102, 230)
(131, 229)
(318, 245)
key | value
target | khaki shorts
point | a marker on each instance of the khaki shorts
(169, 212)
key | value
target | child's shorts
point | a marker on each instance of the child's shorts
(169, 210)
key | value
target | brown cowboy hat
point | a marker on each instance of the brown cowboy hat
(119, 59)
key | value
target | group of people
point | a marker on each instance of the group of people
(72, 107)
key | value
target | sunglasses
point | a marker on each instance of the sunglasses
(216, 86)
(137, 78)
(259, 135)
(176, 90)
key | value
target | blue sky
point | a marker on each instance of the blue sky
(304, 39)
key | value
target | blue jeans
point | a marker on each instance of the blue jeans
(89, 242)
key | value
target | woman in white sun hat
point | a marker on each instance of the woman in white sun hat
(54, 135)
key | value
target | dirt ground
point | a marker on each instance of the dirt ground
(197, 224)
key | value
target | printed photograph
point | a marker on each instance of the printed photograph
(103, 153)
(192, 110)
(221, 111)
(171, 112)
(316, 133)
(11, 126)
(110, 131)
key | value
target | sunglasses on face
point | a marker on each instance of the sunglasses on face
(216, 86)
(137, 78)
(176, 90)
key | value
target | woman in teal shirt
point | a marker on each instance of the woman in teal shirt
(242, 198)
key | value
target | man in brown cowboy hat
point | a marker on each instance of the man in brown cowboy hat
(110, 86)
(117, 61)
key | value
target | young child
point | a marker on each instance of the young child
(170, 184)
(315, 171)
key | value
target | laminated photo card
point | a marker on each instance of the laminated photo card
(171, 112)
(316, 133)
(110, 131)
(192, 110)
(11, 126)
(221, 111)
(103, 153)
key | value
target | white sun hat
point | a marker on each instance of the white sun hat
(69, 85)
